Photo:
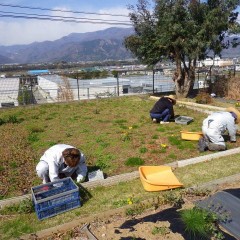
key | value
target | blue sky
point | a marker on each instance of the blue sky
(25, 31)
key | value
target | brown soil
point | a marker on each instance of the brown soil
(118, 226)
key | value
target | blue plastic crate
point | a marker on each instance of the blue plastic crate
(56, 197)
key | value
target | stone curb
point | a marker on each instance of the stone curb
(208, 157)
(88, 185)
(103, 182)
(215, 183)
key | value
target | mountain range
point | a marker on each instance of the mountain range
(92, 46)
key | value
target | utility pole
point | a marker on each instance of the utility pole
(78, 87)
(117, 84)
(153, 79)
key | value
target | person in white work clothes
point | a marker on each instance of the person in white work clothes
(62, 160)
(215, 126)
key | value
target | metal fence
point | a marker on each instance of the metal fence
(55, 88)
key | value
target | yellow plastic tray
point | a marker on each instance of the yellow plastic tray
(158, 178)
(191, 135)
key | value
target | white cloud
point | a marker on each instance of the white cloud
(19, 31)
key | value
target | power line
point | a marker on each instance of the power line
(62, 20)
(59, 10)
(62, 17)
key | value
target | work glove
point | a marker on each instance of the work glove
(80, 179)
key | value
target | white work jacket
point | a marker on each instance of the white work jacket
(53, 157)
(216, 124)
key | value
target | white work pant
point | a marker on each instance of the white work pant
(42, 169)
(214, 135)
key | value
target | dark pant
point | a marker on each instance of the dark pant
(73, 176)
(164, 116)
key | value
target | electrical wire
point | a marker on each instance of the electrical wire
(61, 17)
(59, 10)
(62, 20)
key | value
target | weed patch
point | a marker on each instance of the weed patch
(200, 224)
(160, 230)
(134, 161)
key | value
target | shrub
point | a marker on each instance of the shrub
(203, 98)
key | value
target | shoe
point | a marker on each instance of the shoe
(202, 145)
(216, 147)
(154, 120)
(162, 122)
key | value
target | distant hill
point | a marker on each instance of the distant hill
(4, 60)
(92, 46)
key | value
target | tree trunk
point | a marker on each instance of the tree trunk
(184, 80)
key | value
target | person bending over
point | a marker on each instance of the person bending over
(162, 110)
(215, 126)
(60, 161)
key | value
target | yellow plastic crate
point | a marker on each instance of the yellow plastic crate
(195, 136)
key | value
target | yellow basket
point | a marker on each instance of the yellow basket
(195, 136)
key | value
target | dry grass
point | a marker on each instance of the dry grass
(234, 88)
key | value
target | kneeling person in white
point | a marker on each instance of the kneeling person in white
(215, 125)
(59, 161)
